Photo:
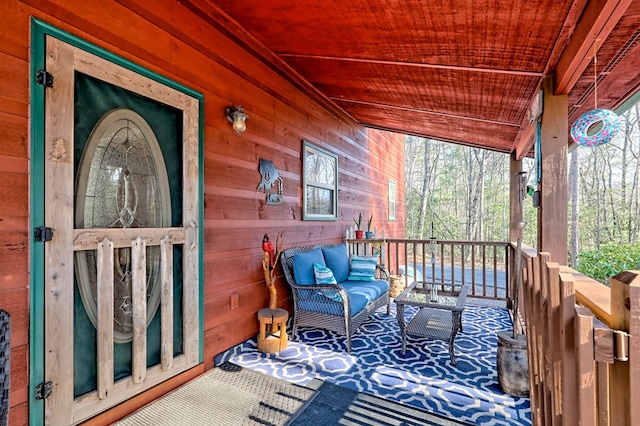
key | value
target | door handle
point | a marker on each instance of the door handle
(194, 226)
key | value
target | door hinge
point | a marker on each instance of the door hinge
(43, 390)
(43, 78)
(43, 234)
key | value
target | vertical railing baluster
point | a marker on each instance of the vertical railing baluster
(104, 305)
(462, 275)
(495, 271)
(139, 297)
(484, 270)
(473, 269)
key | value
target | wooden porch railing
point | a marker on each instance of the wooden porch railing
(483, 264)
(583, 345)
(582, 336)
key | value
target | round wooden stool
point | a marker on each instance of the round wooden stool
(273, 330)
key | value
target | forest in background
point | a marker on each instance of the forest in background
(464, 192)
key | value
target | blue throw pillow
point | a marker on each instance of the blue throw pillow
(303, 266)
(325, 276)
(337, 259)
(363, 268)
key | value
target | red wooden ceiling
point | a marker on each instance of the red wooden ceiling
(458, 71)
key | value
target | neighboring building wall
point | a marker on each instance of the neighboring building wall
(169, 39)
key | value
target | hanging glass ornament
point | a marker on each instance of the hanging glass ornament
(610, 121)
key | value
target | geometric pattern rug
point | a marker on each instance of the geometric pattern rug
(421, 378)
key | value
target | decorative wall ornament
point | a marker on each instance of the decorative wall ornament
(270, 177)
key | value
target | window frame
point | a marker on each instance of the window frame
(393, 200)
(308, 183)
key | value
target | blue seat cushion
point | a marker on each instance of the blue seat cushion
(303, 266)
(362, 293)
(337, 260)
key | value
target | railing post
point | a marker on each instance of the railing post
(529, 293)
(555, 340)
(585, 366)
(625, 316)
(567, 350)
(545, 356)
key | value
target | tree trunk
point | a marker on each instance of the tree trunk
(574, 189)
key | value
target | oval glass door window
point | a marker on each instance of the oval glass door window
(121, 183)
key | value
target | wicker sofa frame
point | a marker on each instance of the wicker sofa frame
(5, 366)
(326, 313)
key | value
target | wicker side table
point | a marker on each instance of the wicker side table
(439, 315)
(273, 330)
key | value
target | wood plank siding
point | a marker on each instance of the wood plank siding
(177, 43)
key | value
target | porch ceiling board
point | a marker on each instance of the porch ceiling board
(476, 133)
(480, 63)
(465, 93)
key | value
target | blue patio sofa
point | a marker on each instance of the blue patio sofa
(340, 307)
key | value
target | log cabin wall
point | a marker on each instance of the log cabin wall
(173, 41)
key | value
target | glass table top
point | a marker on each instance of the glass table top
(420, 293)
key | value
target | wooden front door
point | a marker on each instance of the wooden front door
(121, 302)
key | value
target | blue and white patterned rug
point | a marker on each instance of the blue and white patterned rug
(422, 378)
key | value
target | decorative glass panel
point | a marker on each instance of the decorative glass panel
(320, 181)
(121, 183)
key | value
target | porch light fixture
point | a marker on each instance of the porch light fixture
(237, 117)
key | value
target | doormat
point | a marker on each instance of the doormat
(227, 395)
(202, 402)
(337, 405)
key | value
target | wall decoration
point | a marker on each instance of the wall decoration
(270, 177)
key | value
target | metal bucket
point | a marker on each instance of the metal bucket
(513, 364)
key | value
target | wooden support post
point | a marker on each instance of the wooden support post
(515, 200)
(625, 316)
(552, 214)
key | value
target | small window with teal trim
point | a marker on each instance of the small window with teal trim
(320, 183)
(392, 199)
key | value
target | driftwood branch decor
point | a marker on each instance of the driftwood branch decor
(269, 261)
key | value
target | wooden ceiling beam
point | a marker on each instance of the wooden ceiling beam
(526, 141)
(423, 111)
(597, 22)
(412, 64)
(496, 148)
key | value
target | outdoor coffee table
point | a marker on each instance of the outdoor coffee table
(439, 316)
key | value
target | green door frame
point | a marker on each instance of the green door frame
(39, 30)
